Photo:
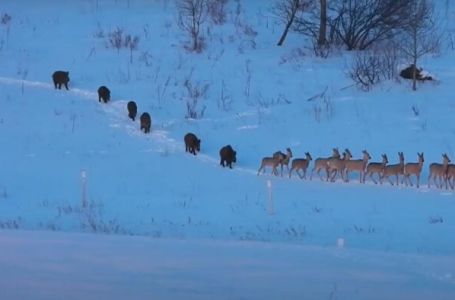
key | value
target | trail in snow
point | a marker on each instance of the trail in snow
(117, 110)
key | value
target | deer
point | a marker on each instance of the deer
(270, 162)
(283, 158)
(413, 168)
(451, 175)
(396, 169)
(439, 171)
(300, 164)
(336, 165)
(321, 163)
(358, 165)
(376, 167)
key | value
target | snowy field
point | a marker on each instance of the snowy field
(148, 187)
(112, 267)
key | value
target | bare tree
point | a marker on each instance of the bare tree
(360, 23)
(196, 93)
(192, 14)
(286, 10)
(322, 23)
(132, 43)
(5, 20)
(365, 70)
(217, 11)
(420, 35)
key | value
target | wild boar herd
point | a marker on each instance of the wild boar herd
(104, 95)
(440, 173)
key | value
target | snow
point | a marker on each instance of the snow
(111, 267)
(144, 192)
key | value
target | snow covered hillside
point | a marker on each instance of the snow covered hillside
(257, 100)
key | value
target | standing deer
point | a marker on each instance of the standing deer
(321, 163)
(397, 169)
(413, 168)
(336, 165)
(300, 164)
(358, 165)
(440, 171)
(451, 175)
(376, 167)
(283, 159)
(271, 162)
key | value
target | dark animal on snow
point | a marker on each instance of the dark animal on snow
(59, 78)
(407, 73)
(228, 156)
(146, 122)
(192, 143)
(132, 110)
(104, 94)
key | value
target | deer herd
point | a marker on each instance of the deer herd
(341, 165)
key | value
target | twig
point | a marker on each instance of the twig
(320, 95)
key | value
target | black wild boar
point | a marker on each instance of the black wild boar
(132, 110)
(59, 78)
(146, 122)
(407, 73)
(228, 156)
(104, 94)
(192, 143)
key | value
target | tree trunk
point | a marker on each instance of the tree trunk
(414, 60)
(323, 23)
(286, 30)
(295, 6)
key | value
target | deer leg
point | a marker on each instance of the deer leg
(438, 185)
(343, 174)
(320, 176)
(418, 180)
(397, 180)
(274, 171)
(410, 181)
(260, 169)
(298, 173)
(388, 178)
(372, 179)
(335, 172)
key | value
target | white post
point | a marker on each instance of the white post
(340, 243)
(270, 198)
(84, 188)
